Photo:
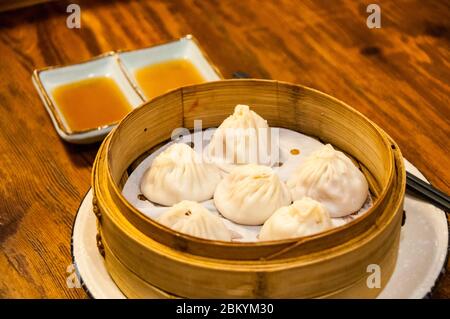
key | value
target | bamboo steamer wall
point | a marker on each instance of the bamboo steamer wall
(147, 259)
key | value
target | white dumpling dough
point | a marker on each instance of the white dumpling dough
(303, 218)
(331, 178)
(250, 194)
(193, 219)
(179, 174)
(242, 138)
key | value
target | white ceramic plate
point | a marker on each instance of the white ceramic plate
(47, 80)
(185, 48)
(422, 254)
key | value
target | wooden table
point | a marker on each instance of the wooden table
(397, 75)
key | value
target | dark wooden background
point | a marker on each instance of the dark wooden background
(397, 75)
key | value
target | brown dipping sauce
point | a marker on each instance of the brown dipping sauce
(157, 79)
(91, 103)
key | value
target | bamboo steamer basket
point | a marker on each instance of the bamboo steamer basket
(148, 260)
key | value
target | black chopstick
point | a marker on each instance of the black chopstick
(425, 190)
(421, 182)
(241, 75)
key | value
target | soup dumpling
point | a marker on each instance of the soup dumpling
(250, 194)
(177, 174)
(242, 138)
(303, 218)
(193, 219)
(331, 178)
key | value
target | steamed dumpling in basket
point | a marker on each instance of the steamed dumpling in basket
(331, 178)
(179, 174)
(193, 219)
(304, 217)
(250, 194)
(243, 138)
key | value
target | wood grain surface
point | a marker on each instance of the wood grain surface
(6, 5)
(397, 75)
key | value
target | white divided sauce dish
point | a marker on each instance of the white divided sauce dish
(119, 66)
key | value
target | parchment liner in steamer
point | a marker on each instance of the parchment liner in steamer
(288, 140)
